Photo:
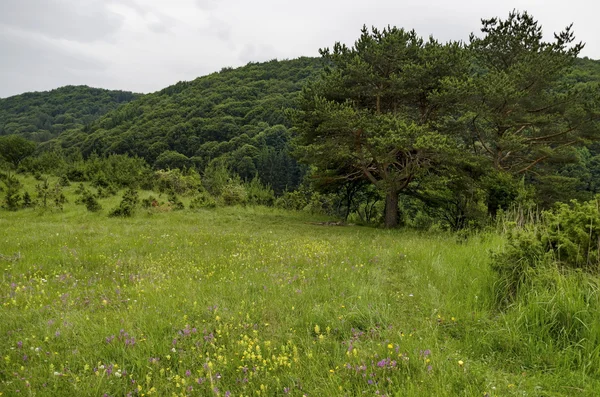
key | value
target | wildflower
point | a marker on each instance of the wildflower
(461, 363)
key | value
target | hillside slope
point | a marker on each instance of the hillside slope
(41, 116)
(237, 115)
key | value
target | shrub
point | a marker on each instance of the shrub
(88, 199)
(202, 200)
(234, 193)
(567, 236)
(258, 194)
(149, 202)
(12, 198)
(176, 181)
(295, 200)
(50, 195)
(128, 204)
(27, 200)
(174, 201)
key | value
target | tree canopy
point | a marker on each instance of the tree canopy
(41, 116)
(395, 109)
(14, 149)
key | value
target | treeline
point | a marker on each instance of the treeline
(41, 116)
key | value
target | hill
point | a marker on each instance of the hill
(41, 116)
(235, 115)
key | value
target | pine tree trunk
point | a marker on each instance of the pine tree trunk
(391, 209)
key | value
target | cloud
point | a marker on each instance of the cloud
(207, 4)
(30, 64)
(83, 20)
(251, 52)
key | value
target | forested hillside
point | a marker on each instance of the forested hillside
(41, 116)
(237, 115)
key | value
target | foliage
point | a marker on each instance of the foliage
(202, 200)
(170, 159)
(376, 113)
(519, 112)
(234, 193)
(50, 196)
(236, 116)
(568, 236)
(14, 149)
(12, 197)
(41, 116)
(177, 181)
(174, 201)
(128, 204)
(258, 194)
(27, 200)
(88, 199)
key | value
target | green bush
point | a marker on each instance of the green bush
(176, 181)
(202, 200)
(296, 200)
(12, 198)
(128, 204)
(572, 233)
(48, 195)
(234, 193)
(176, 204)
(547, 285)
(149, 202)
(88, 199)
(258, 194)
(567, 236)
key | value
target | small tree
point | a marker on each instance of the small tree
(128, 204)
(12, 198)
(14, 149)
(50, 195)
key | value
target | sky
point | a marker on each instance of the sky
(146, 45)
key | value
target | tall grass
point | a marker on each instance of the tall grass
(257, 301)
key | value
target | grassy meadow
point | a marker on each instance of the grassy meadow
(254, 301)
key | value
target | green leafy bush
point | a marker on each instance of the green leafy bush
(234, 193)
(202, 200)
(12, 198)
(567, 237)
(175, 202)
(258, 194)
(128, 204)
(88, 199)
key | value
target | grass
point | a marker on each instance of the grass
(255, 302)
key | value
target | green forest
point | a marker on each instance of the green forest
(41, 116)
(397, 217)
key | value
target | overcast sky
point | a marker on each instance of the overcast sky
(146, 45)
